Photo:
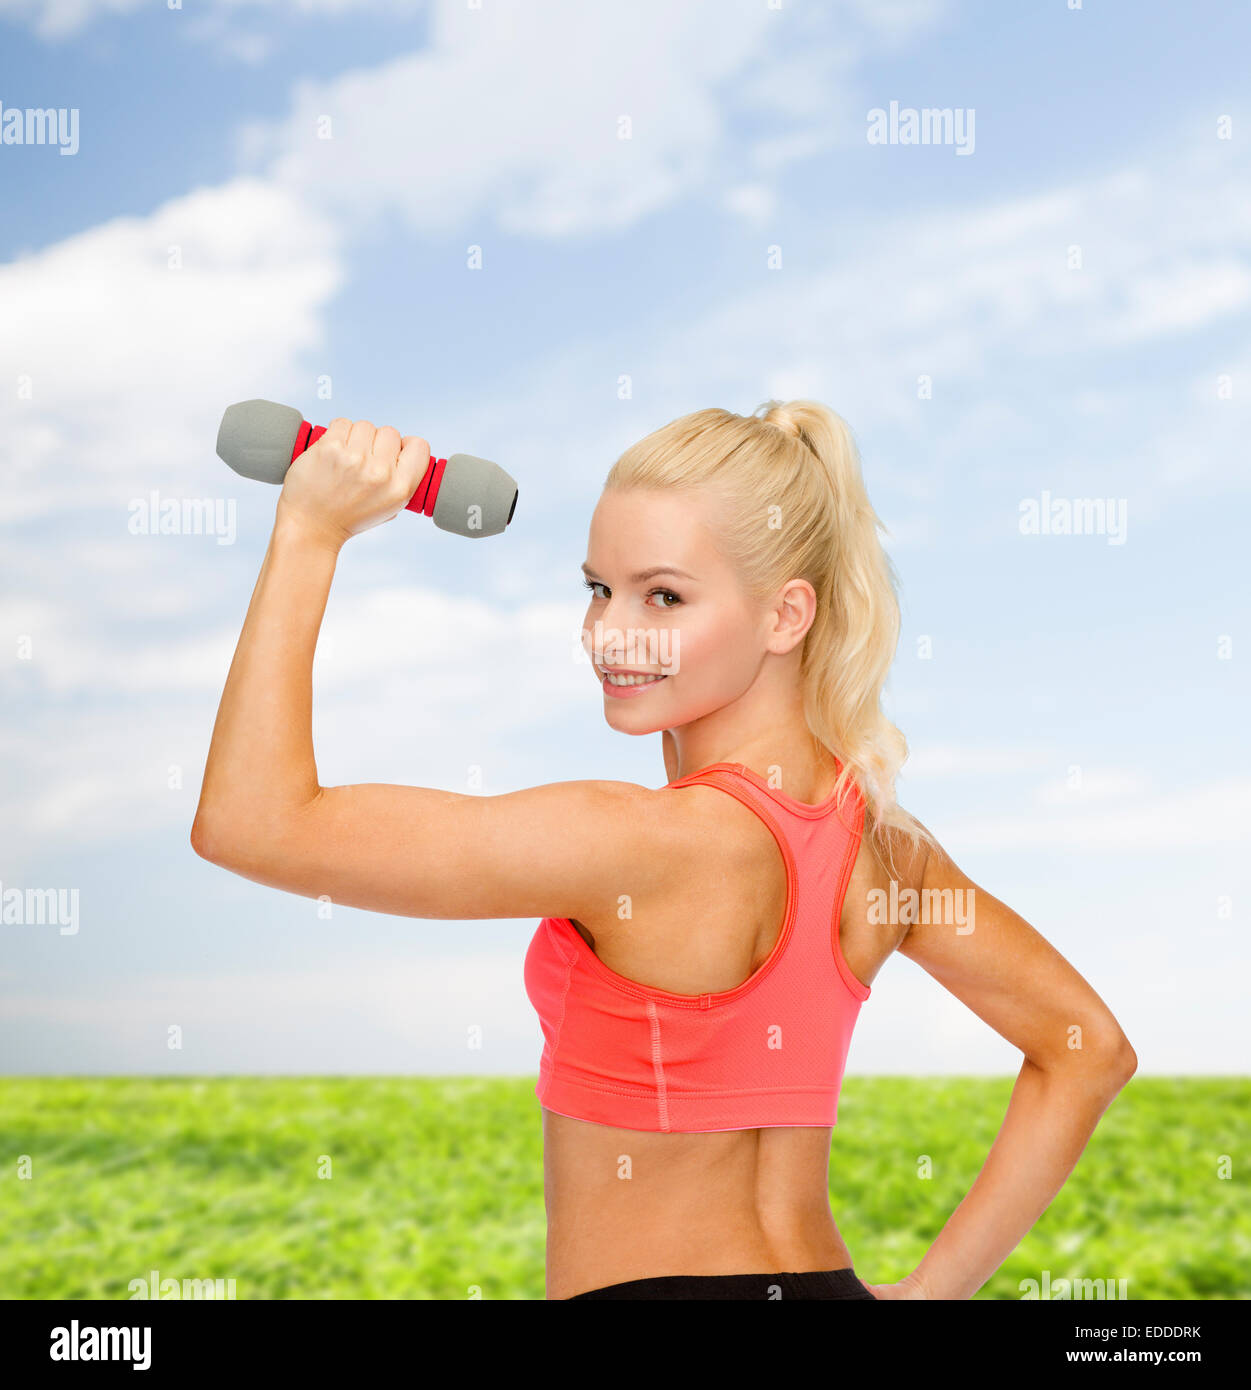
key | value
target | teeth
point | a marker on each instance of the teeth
(632, 680)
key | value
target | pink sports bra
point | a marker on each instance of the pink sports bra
(770, 1052)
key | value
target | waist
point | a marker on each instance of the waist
(626, 1204)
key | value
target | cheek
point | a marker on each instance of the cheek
(716, 654)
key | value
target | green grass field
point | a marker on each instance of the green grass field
(434, 1187)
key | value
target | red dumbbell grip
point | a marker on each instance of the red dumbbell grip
(422, 500)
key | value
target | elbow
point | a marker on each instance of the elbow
(219, 839)
(1118, 1061)
(1114, 1046)
(1107, 1064)
(254, 845)
(206, 839)
(1126, 1061)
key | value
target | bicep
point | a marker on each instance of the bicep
(553, 850)
(1008, 974)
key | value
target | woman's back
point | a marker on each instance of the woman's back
(630, 1203)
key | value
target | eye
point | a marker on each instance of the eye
(594, 584)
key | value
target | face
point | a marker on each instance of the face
(666, 605)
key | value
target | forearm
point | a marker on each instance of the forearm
(1049, 1120)
(260, 762)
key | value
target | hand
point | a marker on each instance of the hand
(354, 478)
(908, 1287)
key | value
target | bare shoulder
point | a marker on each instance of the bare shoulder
(889, 863)
(698, 812)
(672, 839)
(901, 855)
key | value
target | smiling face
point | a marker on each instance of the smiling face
(667, 605)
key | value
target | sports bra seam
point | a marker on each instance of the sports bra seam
(649, 1094)
(658, 1066)
(564, 1001)
(560, 950)
(849, 860)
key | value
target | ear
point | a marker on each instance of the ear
(793, 613)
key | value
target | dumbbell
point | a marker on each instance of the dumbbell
(465, 495)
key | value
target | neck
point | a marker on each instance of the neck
(765, 730)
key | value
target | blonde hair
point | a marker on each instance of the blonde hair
(797, 508)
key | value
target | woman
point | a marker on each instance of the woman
(705, 947)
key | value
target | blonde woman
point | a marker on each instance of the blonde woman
(705, 947)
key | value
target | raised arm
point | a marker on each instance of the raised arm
(1077, 1059)
(566, 849)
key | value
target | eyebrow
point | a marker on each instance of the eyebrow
(644, 575)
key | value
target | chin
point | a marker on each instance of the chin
(637, 725)
(630, 716)
(626, 717)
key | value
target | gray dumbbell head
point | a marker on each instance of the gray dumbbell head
(256, 439)
(476, 497)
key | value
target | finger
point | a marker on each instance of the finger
(360, 439)
(338, 429)
(412, 463)
(387, 445)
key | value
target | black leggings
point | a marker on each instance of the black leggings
(822, 1283)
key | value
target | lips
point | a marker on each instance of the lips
(622, 683)
(626, 679)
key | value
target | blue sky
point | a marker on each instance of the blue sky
(1076, 291)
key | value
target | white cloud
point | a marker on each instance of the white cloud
(754, 202)
(911, 1023)
(494, 119)
(393, 664)
(513, 117)
(889, 20)
(898, 20)
(946, 760)
(61, 19)
(1094, 784)
(368, 634)
(1178, 297)
(220, 288)
(1209, 815)
(969, 286)
(57, 19)
(978, 299)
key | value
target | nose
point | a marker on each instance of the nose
(604, 639)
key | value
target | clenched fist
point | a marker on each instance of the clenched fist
(355, 477)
